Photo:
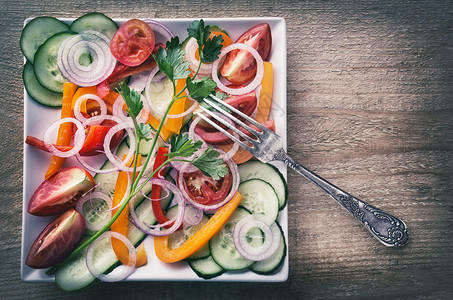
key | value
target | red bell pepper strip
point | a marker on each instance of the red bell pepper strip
(156, 189)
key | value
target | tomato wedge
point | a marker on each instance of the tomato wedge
(133, 42)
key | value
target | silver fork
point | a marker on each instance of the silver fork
(267, 146)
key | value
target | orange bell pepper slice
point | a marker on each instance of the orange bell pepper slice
(121, 224)
(65, 131)
(200, 238)
(267, 85)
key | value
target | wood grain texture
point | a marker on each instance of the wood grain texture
(370, 108)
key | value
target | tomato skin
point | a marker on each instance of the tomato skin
(57, 240)
(205, 190)
(133, 42)
(240, 66)
(60, 192)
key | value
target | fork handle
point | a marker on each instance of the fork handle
(388, 229)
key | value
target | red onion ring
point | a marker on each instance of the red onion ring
(124, 270)
(78, 114)
(253, 84)
(121, 165)
(271, 237)
(192, 215)
(89, 197)
(160, 29)
(234, 186)
(97, 45)
(79, 138)
(155, 229)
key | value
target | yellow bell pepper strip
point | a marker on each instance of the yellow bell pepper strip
(267, 84)
(121, 224)
(200, 238)
(175, 124)
(164, 132)
(65, 131)
(141, 256)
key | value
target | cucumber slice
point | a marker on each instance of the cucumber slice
(145, 146)
(95, 21)
(75, 275)
(206, 267)
(222, 246)
(36, 91)
(259, 198)
(179, 237)
(45, 63)
(160, 94)
(36, 32)
(272, 264)
(268, 173)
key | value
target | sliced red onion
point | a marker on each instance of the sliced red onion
(268, 228)
(79, 138)
(93, 43)
(89, 197)
(192, 215)
(78, 104)
(160, 28)
(234, 186)
(121, 165)
(196, 137)
(253, 84)
(160, 230)
(119, 273)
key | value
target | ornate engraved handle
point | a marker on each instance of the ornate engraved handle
(388, 229)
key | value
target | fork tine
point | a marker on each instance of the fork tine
(238, 112)
(232, 137)
(224, 122)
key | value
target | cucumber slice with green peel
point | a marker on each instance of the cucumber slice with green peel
(75, 275)
(145, 146)
(95, 21)
(36, 32)
(36, 91)
(259, 198)
(268, 173)
(222, 246)
(179, 237)
(206, 267)
(45, 63)
(272, 264)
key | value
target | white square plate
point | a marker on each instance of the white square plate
(38, 118)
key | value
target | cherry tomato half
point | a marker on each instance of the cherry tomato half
(133, 42)
(60, 192)
(205, 190)
(240, 66)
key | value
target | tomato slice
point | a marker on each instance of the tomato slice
(133, 42)
(205, 190)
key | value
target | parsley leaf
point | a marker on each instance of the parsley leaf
(145, 131)
(132, 99)
(200, 88)
(171, 60)
(182, 146)
(210, 164)
(210, 48)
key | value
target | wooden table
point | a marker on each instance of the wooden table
(370, 108)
